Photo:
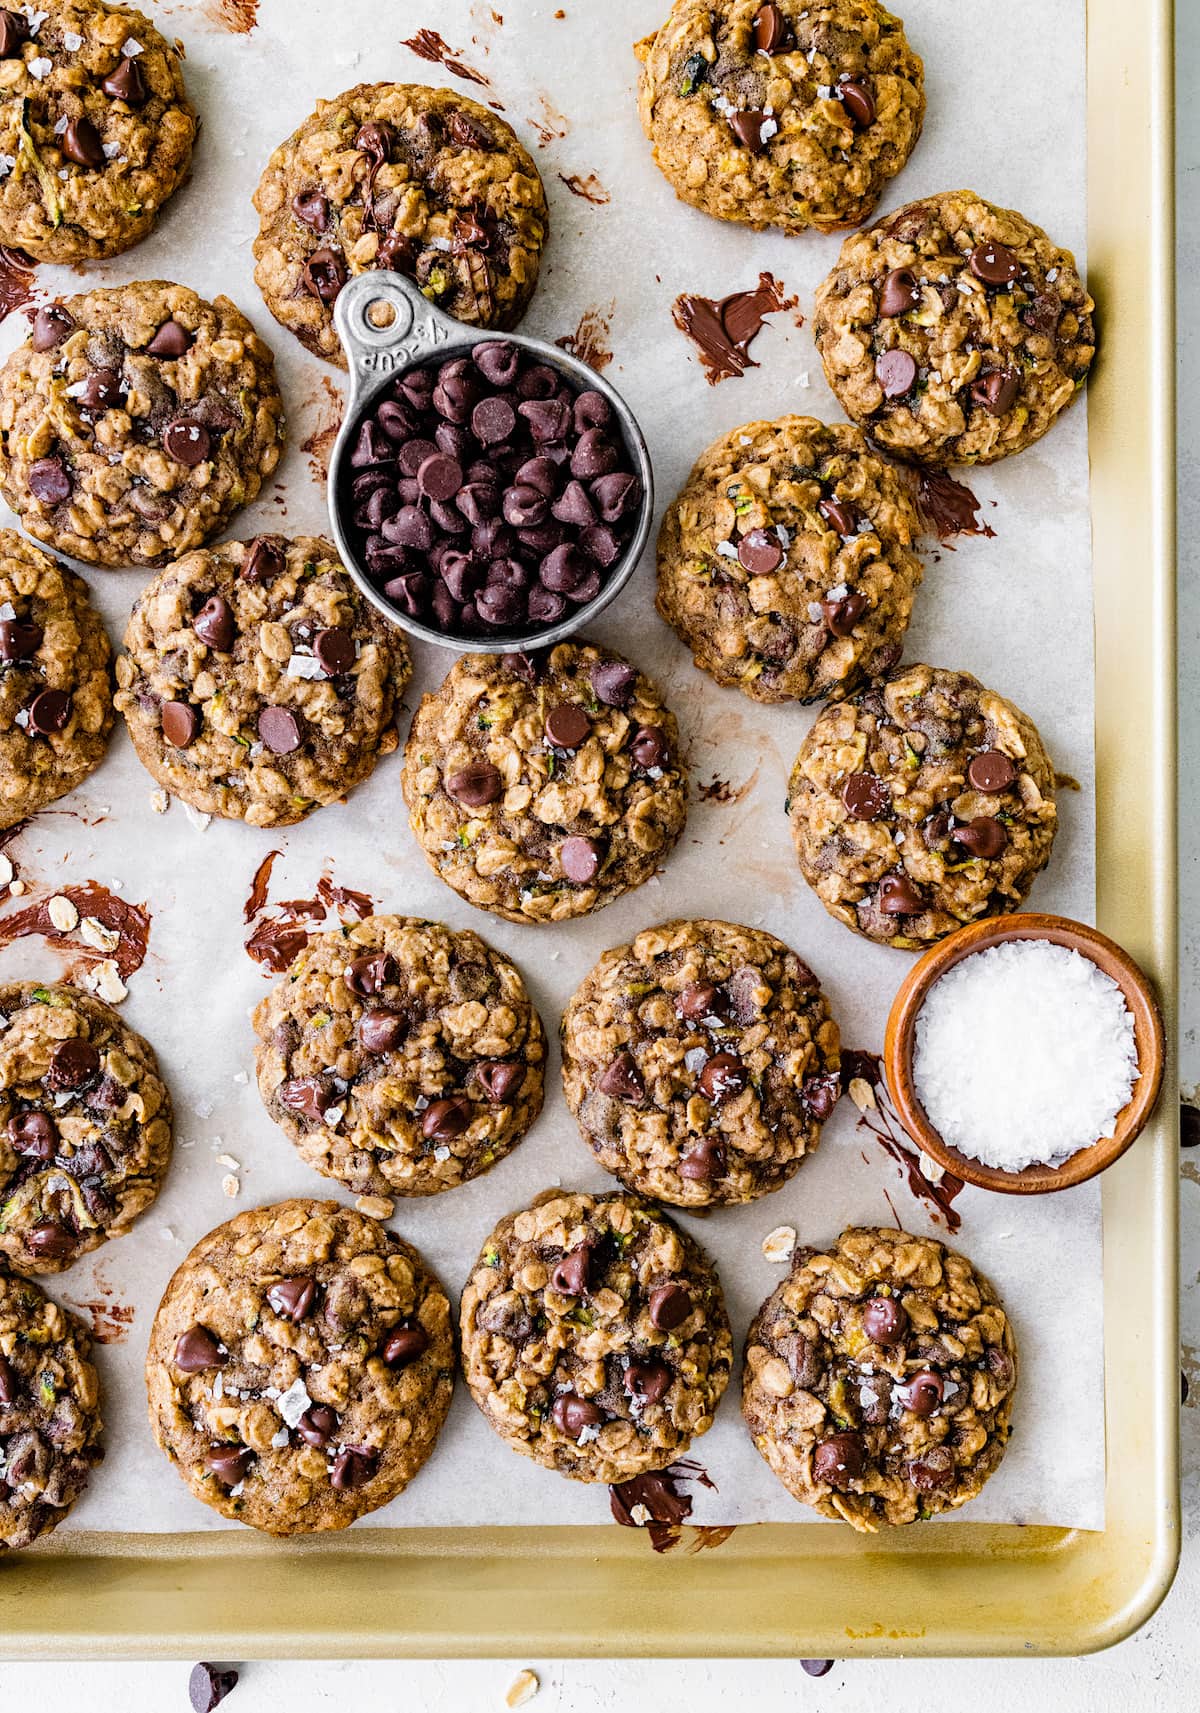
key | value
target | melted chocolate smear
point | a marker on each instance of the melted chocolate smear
(1189, 1125)
(669, 1507)
(948, 508)
(281, 931)
(130, 922)
(16, 279)
(259, 886)
(428, 45)
(723, 328)
(320, 443)
(11, 833)
(883, 1124)
(110, 1321)
(237, 16)
(589, 342)
(589, 188)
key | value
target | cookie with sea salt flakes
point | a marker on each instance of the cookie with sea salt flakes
(96, 129)
(257, 683)
(300, 1367)
(594, 1336)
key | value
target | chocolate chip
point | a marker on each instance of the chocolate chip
(899, 897)
(14, 32)
(381, 1031)
(196, 1350)
(49, 482)
(884, 1320)
(935, 1469)
(649, 1381)
(50, 1242)
(404, 1344)
(760, 552)
(816, 1667)
(171, 340)
(840, 516)
(370, 974)
(770, 30)
(500, 1079)
(895, 371)
(334, 649)
(1043, 314)
(214, 624)
(81, 144)
(858, 101)
(279, 729)
(439, 476)
(292, 1299)
(20, 639)
(996, 391)
(842, 616)
(669, 1306)
(324, 275)
(839, 1460)
(265, 561)
(180, 724)
(569, 1275)
(475, 785)
(820, 1093)
(922, 1393)
(446, 1118)
(701, 999)
(991, 770)
(723, 1078)
(8, 1383)
(985, 836)
(899, 293)
(865, 796)
(353, 1467)
(999, 1363)
(188, 443)
(994, 264)
(51, 325)
(935, 829)
(497, 360)
(567, 726)
(126, 83)
(622, 1080)
(73, 1064)
(32, 1133)
(207, 1686)
(493, 421)
(704, 1162)
(228, 1464)
(307, 1097)
(102, 390)
(49, 712)
(572, 1414)
(317, 1426)
(747, 127)
(580, 859)
(650, 748)
(376, 141)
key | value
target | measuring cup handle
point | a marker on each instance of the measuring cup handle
(415, 332)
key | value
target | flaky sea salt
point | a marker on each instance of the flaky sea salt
(1024, 1054)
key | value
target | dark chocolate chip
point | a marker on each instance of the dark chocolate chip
(842, 616)
(49, 482)
(722, 1078)
(921, 1393)
(279, 729)
(590, 410)
(899, 293)
(701, 999)
(839, 516)
(376, 140)
(994, 263)
(381, 1031)
(669, 1306)
(475, 785)
(73, 1064)
(996, 391)
(404, 1344)
(51, 325)
(747, 127)
(265, 561)
(353, 1467)
(126, 83)
(704, 1162)
(439, 476)
(102, 390)
(20, 639)
(50, 1242)
(334, 649)
(171, 340)
(820, 1093)
(446, 1118)
(572, 1414)
(865, 796)
(307, 1097)
(622, 1080)
(895, 371)
(839, 1460)
(899, 897)
(214, 624)
(761, 552)
(770, 30)
(497, 360)
(198, 1349)
(594, 455)
(935, 1469)
(188, 443)
(500, 1079)
(816, 1667)
(292, 1299)
(493, 421)
(991, 770)
(81, 144)
(370, 974)
(650, 748)
(14, 33)
(569, 1275)
(858, 101)
(567, 726)
(180, 724)
(207, 1686)
(884, 1320)
(33, 1134)
(317, 1426)
(984, 837)
(648, 1381)
(49, 712)
(325, 274)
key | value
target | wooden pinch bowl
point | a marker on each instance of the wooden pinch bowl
(900, 1042)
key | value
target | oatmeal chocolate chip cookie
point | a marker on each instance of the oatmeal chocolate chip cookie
(922, 803)
(135, 421)
(400, 176)
(55, 680)
(879, 1379)
(701, 1062)
(401, 1057)
(594, 1336)
(49, 1412)
(96, 129)
(954, 331)
(787, 563)
(300, 1367)
(542, 786)
(791, 114)
(257, 683)
(85, 1126)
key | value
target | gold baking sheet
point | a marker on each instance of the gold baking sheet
(794, 1590)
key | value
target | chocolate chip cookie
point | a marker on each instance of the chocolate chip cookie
(300, 1367)
(542, 786)
(953, 331)
(257, 683)
(420, 181)
(49, 1412)
(879, 1379)
(135, 421)
(920, 804)
(400, 1057)
(787, 562)
(55, 680)
(85, 1126)
(791, 114)
(701, 1062)
(96, 129)
(594, 1336)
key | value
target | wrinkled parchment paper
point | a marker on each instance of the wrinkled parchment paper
(1015, 610)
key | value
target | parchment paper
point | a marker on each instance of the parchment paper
(1015, 610)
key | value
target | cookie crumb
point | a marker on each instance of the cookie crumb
(104, 979)
(376, 1207)
(160, 801)
(230, 1185)
(523, 1688)
(228, 1160)
(777, 1245)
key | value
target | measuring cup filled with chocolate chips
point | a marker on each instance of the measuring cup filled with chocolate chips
(486, 491)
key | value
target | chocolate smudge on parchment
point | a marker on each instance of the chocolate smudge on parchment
(590, 340)
(879, 1119)
(948, 508)
(281, 931)
(550, 126)
(129, 922)
(720, 790)
(429, 45)
(326, 404)
(16, 279)
(237, 16)
(588, 188)
(110, 1318)
(722, 329)
(658, 1503)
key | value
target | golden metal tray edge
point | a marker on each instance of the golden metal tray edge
(809, 1589)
